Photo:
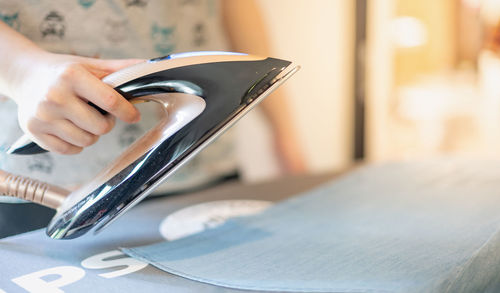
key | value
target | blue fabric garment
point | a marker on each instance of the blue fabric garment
(398, 227)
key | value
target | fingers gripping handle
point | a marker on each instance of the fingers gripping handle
(25, 146)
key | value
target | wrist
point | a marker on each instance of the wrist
(15, 50)
(17, 68)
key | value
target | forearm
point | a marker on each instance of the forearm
(14, 52)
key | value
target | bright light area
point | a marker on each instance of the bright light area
(408, 32)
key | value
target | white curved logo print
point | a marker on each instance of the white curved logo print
(194, 219)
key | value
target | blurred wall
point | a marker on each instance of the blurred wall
(319, 36)
(379, 78)
(423, 98)
(438, 52)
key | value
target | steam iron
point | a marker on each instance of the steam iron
(202, 95)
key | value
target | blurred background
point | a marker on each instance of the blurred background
(390, 79)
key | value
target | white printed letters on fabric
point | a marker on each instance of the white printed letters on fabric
(35, 283)
(99, 262)
(38, 282)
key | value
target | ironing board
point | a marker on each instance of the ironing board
(442, 235)
(30, 256)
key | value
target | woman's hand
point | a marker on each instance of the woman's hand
(52, 92)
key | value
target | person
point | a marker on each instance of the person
(47, 81)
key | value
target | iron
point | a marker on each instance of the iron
(202, 95)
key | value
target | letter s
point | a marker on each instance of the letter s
(99, 262)
(34, 283)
